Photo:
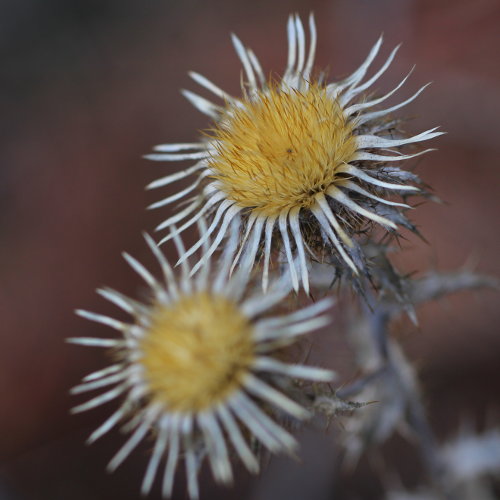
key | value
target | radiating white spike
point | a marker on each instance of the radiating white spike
(118, 299)
(202, 104)
(272, 429)
(274, 397)
(301, 44)
(293, 217)
(325, 207)
(140, 270)
(248, 259)
(177, 156)
(334, 88)
(242, 54)
(257, 430)
(215, 222)
(358, 189)
(345, 98)
(256, 304)
(251, 417)
(325, 225)
(237, 439)
(224, 466)
(100, 318)
(176, 196)
(137, 392)
(228, 217)
(341, 197)
(292, 47)
(158, 451)
(368, 104)
(288, 250)
(249, 224)
(294, 330)
(168, 179)
(187, 224)
(166, 269)
(202, 279)
(257, 67)
(101, 399)
(217, 453)
(300, 315)
(172, 148)
(185, 268)
(109, 423)
(205, 82)
(94, 342)
(102, 373)
(373, 141)
(312, 48)
(191, 470)
(173, 457)
(360, 174)
(97, 384)
(237, 288)
(132, 423)
(267, 251)
(269, 364)
(364, 156)
(179, 215)
(364, 118)
(210, 202)
(128, 447)
(220, 282)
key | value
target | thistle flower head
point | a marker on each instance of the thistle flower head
(196, 369)
(300, 160)
(277, 153)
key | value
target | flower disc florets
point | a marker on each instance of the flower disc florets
(197, 371)
(192, 360)
(299, 159)
(276, 153)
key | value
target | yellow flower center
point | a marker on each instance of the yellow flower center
(196, 352)
(279, 151)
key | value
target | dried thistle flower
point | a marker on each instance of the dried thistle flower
(196, 368)
(305, 163)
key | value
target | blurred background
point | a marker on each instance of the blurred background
(88, 86)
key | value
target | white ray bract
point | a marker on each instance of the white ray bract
(221, 429)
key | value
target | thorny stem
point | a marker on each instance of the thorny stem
(379, 321)
(404, 293)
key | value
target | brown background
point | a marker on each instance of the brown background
(87, 87)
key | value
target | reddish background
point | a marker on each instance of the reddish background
(89, 86)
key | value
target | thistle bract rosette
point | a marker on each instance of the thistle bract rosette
(196, 369)
(307, 164)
